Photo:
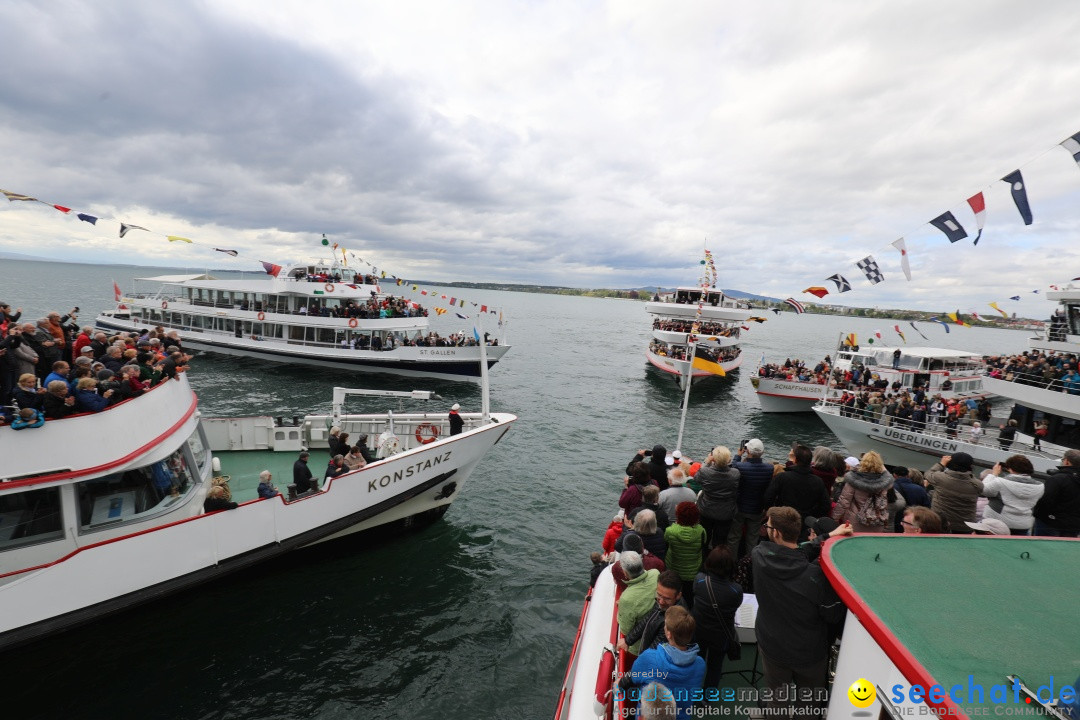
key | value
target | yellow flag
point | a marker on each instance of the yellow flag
(177, 238)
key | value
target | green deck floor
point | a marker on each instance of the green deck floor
(243, 469)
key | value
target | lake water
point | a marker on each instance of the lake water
(472, 617)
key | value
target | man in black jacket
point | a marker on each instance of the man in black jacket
(301, 474)
(1057, 513)
(796, 605)
(799, 487)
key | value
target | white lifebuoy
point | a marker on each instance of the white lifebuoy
(329, 287)
(261, 316)
(353, 322)
(426, 433)
(164, 304)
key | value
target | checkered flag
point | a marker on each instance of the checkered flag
(870, 268)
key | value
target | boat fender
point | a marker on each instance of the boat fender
(388, 444)
(426, 433)
(329, 287)
(353, 322)
(261, 316)
(164, 304)
(21, 423)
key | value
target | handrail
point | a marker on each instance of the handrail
(1038, 381)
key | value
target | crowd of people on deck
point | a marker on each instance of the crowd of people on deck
(696, 327)
(679, 352)
(374, 308)
(690, 538)
(1049, 370)
(797, 371)
(53, 368)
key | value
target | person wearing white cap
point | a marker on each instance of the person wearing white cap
(989, 526)
(457, 424)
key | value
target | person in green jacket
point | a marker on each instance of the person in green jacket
(637, 599)
(686, 545)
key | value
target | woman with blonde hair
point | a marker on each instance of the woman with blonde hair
(863, 501)
(719, 486)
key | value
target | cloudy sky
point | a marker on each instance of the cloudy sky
(577, 143)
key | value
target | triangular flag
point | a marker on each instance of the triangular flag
(1015, 297)
(817, 290)
(62, 209)
(946, 223)
(842, 285)
(124, 227)
(978, 206)
(12, 196)
(175, 238)
(902, 247)
(227, 252)
(912, 324)
(1019, 193)
(1003, 313)
(463, 317)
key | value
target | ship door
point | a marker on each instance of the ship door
(921, 379)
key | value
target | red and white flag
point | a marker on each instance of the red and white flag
(978, 206)
(902, 247)
(116, 291)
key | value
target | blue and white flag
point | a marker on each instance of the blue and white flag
(1072, 144)
(842, 285)
(1019, 193)
(946, 223)
(476, 334)
(870, 268)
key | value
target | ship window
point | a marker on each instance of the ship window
(197, 446)
(134, 495)
(30, 517)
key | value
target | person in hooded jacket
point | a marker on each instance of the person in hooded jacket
(1013, 494)
(1057, 514)
(677, 661)
(863, 501)
(955, 491)
(657, 464)
(719, 488)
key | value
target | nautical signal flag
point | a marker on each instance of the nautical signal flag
(900, 333)
(817, 290)
(947, 223)
(1019, 194)
(702, 361)
(172, 238)
(978, 206)
(1072, 144)
(851, 340)
(870, 268)
(842, 285)
(904, 264)
(440, 311)
(271, 269)
(796, 305)
(943, 324)
(124, 227)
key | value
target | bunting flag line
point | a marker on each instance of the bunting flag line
(900, 333)
(978, 206)
(796, 305)
(942, 323)
(817, 290)
(227, 252)
(1072, 144)
(904, 265)
(912, 323)
(842, 285)
(702, 361)
(955, 317)
(124, 227)
(271, 268)
(946, 223)
(870, 269)
(1019, 194)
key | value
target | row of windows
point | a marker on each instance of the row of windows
(36, 515)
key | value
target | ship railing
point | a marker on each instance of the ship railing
(1041, 382)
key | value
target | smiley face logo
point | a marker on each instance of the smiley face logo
(861, 693)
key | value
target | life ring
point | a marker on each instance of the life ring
(353, 322)
(329, 287)
(261, 316)
(426, 433)
(164, 304)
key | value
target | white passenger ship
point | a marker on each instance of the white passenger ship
(949, 373)
(291, 318)
(704, 317)
(103, 511)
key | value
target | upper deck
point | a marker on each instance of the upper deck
(960, 611)
(130, 434)
(691, 302)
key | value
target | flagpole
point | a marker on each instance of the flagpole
(691, 350)
(485, 402)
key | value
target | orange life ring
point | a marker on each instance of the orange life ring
(353, 322)
(329, 287)
(426, 433)
(164, 304)
(261, 316)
